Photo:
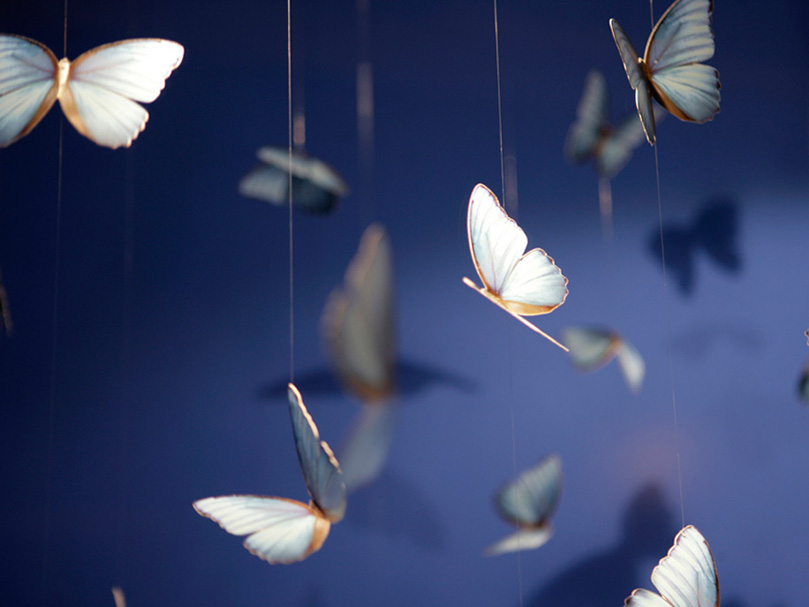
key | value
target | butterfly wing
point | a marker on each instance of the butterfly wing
(320, 468)
(679, 43)
(531, 498)
(119, 597)
(278, 530)
(591, 118)
(637, 79)
(28, 85)
(615, 150)
(365, 450)
(359, 320)
(632, 365)
(524, 539)
(265, 182)
(527, 284)
(590, 348)
(105, 83)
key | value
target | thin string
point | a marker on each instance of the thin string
(652, 12)
(289, 187)
(510, 362)
(668, 335)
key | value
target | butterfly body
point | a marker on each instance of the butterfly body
(98, 92)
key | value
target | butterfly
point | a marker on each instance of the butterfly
(97, 92)
(118, 596)
(592, 136)
(685, 577)
(591, 348)
(359, 320)
(803, 384)
(671, 70)
(316, 187)
(713, 232)
(528, 502)
(522, 284)
(281, 530)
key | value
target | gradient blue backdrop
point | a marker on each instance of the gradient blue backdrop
(172, 327)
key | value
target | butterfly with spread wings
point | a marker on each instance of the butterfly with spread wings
(98, 91)
(671, 69)
(281, 530)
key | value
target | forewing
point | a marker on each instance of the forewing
(524, 539)
(495, 240)
(629, 56)
(645, 598)
(632, 366)
(278, 530)
(591, 118)
(365, 449)
(27, 85)
(105, 82)
(590, 348)
(534, 285)
(531, 498)
(320, 468)
(265, 182)
(690, 92)
(681, 36)
(686, 577)
(359, 320)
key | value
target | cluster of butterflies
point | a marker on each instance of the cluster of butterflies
(98, 93)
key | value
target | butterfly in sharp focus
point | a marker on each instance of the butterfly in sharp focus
(359, 321)
(528, 502)
(281, 530)
(671, 70)
(98, 91)
(592, 136)
(685, 577)
(592, 348)
(521, 283)
(316, 186)
(714, 232)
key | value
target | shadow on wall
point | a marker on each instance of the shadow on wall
(713, 232)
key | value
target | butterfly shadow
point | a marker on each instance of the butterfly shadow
(393, 507)
(713, 232)
(412, 378)
(606, 578)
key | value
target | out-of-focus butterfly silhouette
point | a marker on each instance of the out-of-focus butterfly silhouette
(713, 232)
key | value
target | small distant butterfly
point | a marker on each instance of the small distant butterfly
(592, 135)
(685, 577)
(359, 321)
(119, 597)
(281, 530)
(528, 502)
(98, 91)
(671, 70)
(522, 284)
(316, 187)
(591, 348)
(806, 335)
(712, 232)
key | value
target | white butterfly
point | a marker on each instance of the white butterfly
(97, 92)
(281, 530)
(592, 135)
(316, 186)
(359, 324)
(591, 348)
(671, 70)
(523, 284)
(685, 577)
(528, 502)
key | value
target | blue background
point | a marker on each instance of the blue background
(171, 335)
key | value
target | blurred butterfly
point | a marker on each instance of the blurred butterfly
(97, 92)
(713, 232)
(281, 530)
(803, 384)
(5, 311)
(528, 502)
(671, 71)
(806, 335)
(316, 187)
(119, 597)
(359, 321)
(592, 136)
(685, 577)
(592, 348)
(522, 284)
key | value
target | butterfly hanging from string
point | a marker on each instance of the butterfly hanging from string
(671, 69)
(98, 91)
